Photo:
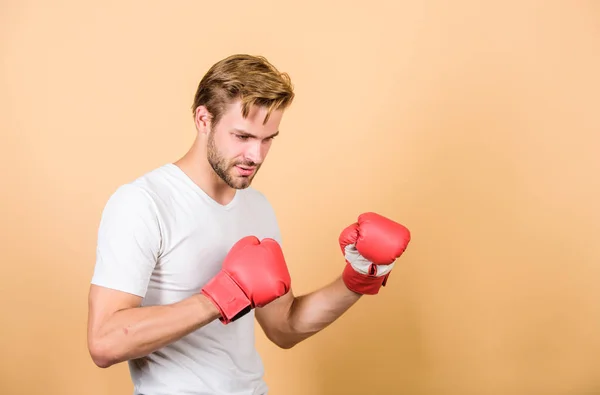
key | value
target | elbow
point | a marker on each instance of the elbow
(285, 344)
(283, 340)
(100, 359)
(101, 362)
(101, 354)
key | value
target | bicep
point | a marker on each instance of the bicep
(273, 318)
(126, 253)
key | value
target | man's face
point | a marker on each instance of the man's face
(237, 147)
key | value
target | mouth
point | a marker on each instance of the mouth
(245, 171)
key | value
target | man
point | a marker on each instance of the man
(189, 254)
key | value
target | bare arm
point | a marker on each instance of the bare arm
(119, 329)
(290, 320)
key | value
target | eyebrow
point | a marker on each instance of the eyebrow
(243, 132)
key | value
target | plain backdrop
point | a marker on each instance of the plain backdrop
(475, 124)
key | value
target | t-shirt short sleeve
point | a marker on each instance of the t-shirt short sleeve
(128, 241)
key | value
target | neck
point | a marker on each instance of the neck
(195, 165)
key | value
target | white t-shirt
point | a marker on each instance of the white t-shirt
(162, 238)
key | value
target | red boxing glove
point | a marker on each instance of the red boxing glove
(371, 247)
(254, 274)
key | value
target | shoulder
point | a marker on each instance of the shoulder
(156, 183)
(130, 198)
(140, 196)
(148, 189)
(131, 211)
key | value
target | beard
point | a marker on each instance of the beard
(225, 169)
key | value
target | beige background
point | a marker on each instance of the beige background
(476, 124)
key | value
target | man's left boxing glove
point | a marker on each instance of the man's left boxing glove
(371, 247)
(254, 274)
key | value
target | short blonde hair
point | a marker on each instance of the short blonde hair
(252, 79)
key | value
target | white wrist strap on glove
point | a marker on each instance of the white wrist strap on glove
(363, 266)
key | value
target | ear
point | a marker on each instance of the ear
(202, 120)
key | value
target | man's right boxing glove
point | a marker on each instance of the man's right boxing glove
(371, 247)
(254, 273)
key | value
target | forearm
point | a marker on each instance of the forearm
(136, 332)
(315, 311)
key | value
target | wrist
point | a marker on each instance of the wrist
(206, 307)
(360, 283)
(227, 297)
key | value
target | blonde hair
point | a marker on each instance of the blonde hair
(252, 79)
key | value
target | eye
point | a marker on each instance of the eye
(242, 137)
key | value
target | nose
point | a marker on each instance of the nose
(255, 152)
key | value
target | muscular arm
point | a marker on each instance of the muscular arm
(119, 329)
(290, 320)
(371, 247)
